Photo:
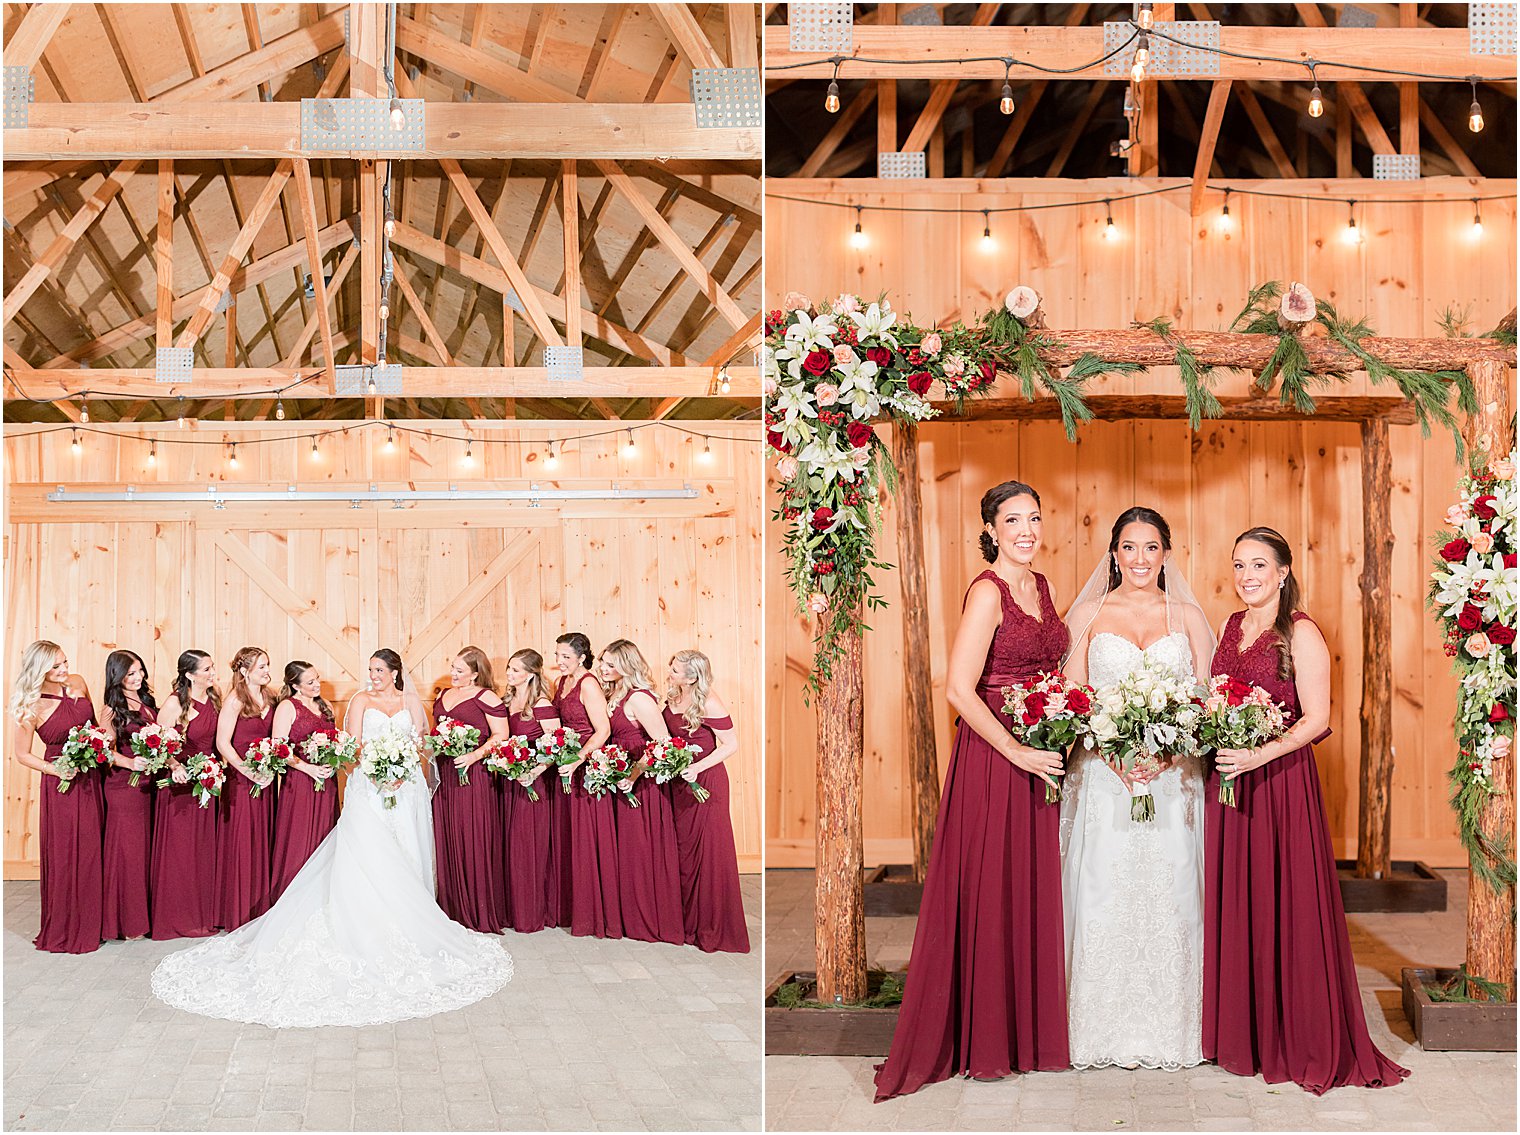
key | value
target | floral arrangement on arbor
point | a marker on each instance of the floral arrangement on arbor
(1473, 592)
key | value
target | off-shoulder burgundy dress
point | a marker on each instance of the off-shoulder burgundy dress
(1280, 995)
(246, 835)
(70, 841)
(467, 829)
(183, 873)
(129, 841)
(986, 986)
(304, 815)
(526, 823)
(649, 865)
(595, 907)
(711, 903)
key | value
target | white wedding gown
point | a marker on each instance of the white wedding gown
(1133, 895)
(357, 938)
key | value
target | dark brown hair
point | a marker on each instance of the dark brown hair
(295, 672)
(1288, 599)
(994, 499)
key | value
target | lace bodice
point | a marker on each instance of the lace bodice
(1256, 664)
(1022, 645)
(1110, 656)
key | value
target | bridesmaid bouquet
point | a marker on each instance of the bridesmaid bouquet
(1149, 714)
(207, 775)
(155, 744)
(1238, 715)
(88, 747)
(267, 756)
(514, 758)
(455, 739)
(561, 748)
(389, 760)
(1049, 712)
(670, 758)
(606, 769)
(331, 750)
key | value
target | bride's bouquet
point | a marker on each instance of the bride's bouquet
(668, 759)
(606, 769)
(267, 757)
(455, 739)
(155, 744)
(1048, 712)
(207, 775)
(1238, 715)
(514, 758)
(562, 748)
(88, 747)
(330, 750)
(389, 759)
(1148, 715)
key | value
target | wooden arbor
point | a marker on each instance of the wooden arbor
(580, 112)
(839, 914)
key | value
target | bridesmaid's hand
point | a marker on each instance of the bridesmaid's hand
(139, 764)
(1037, 762)
(689, 775)
(179, 775)
(1233, 762)
(318, 773)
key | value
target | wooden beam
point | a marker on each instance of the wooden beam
(31, 38)
(1269, 140)
(842, 126)
(1351, 92)
(1127, 407)
(163, 254)
(743, 44)
(309, 332)
(685, 31)
(735, 343)
(1447, 143)
(1373, 846)
(308, 199)
(674, 245)
(1074, 131)
(429, 328)
(1213, 119)
(571, 215)
(486, 71)
(370, 245)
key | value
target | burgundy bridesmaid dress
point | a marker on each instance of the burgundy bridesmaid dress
(71, 842)
(183, 872)
(649, 866)
(304, 816)
(711, 903)
(1280, 995)
(467, 832)
(986, 986)
(595, 893)
(526, 822)
(245, 835)
(129, 842)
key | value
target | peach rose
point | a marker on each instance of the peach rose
(1455, 515)
(818, 603)
(1503, 469)
(796, 301)
(768, 385)
(846, 304)
(844, 354)
(826, 393)
(1500, 747)
(786, 467)
(931, 344)
(1483, 543)
(955, 366)
(1478, 645)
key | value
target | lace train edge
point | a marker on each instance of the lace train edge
(1156, 1064)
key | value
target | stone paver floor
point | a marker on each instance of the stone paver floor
(589, 1035)
(1447, 1091)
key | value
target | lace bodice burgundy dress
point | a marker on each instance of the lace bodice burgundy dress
(1280, 995)
(986, 987)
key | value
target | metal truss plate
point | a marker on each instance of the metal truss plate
(901, 163)
(828, 26)
(1191, 56)
(923, 16)
(514, 302)
(173, 364)
(19, 91)
(342, 125)
(353, 381)
(1396, 167)
(565, 364)
(726, 96)
(1353, 17)
(1491, 29)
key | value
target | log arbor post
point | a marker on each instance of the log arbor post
(1373, 835)
(839, 909)
(923, 761)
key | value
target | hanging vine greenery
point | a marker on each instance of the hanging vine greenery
(1197, 379)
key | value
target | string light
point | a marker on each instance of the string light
(988, 244)
(469, 452)
(1352, 234)
(75, 445)
(316, 453)
(390, 439)
(706, 455)
(858, 238)
(551, 461)
(630, 447)
(232, 454)
(1226, 222)
(153, 453)
(390, 219)
(1474, 112)
(1147, 16)
(279, 409)
(1316, 102)
(398, 115)
(1142, 57)
(180, 410)
(1477, 225)
(831, 100)
(1005, 104)
(373, 388)
(1110, 230)
(84, 409)
(725, 384)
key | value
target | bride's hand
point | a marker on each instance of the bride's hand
(1047, 766)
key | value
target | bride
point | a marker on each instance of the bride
(1133, 891)
(358, 937)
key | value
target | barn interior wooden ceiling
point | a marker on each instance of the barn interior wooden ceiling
(529, 106)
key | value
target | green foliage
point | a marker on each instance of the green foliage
(1454, 321)
(1457, 988)
(1197, 379)
(1259, 316)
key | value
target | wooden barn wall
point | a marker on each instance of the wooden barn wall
(1303, 479)
(331, 583)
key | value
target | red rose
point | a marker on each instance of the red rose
(1077, 701)
(1471, 618)
(152, 740)
(989, 372)
(859, 434)
(823, 517)
(879, 355)
(1483, 507)
(1034, 708)
(919, 383)
(778, 442)
(1501, 634)
(1456, 551)
(1509, 560)
(1498, 713)
(817, 362)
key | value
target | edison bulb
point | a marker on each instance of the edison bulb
(1316, 102)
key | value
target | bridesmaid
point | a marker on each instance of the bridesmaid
(467, 830)
(586, 846)
(1280, 995)
(986, 991)
(526, 821)
(129, 705)
(183, 870)
(47, 702)
(711, 903)
(649, 870)
(247, 821)
(305, 815)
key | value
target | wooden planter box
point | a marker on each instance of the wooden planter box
(890, 892)
(1455, 1026)
(1409, 888)
(815, 1029)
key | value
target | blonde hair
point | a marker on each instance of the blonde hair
(537, 689)
(480, 665)
(700, 669)
(633, 671)
(244, 660)
(36, 661)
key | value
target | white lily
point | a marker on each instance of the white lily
(811, 333)
(857, 388)
(829, 461)
(876, 322)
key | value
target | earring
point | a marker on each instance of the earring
(1281, 583)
